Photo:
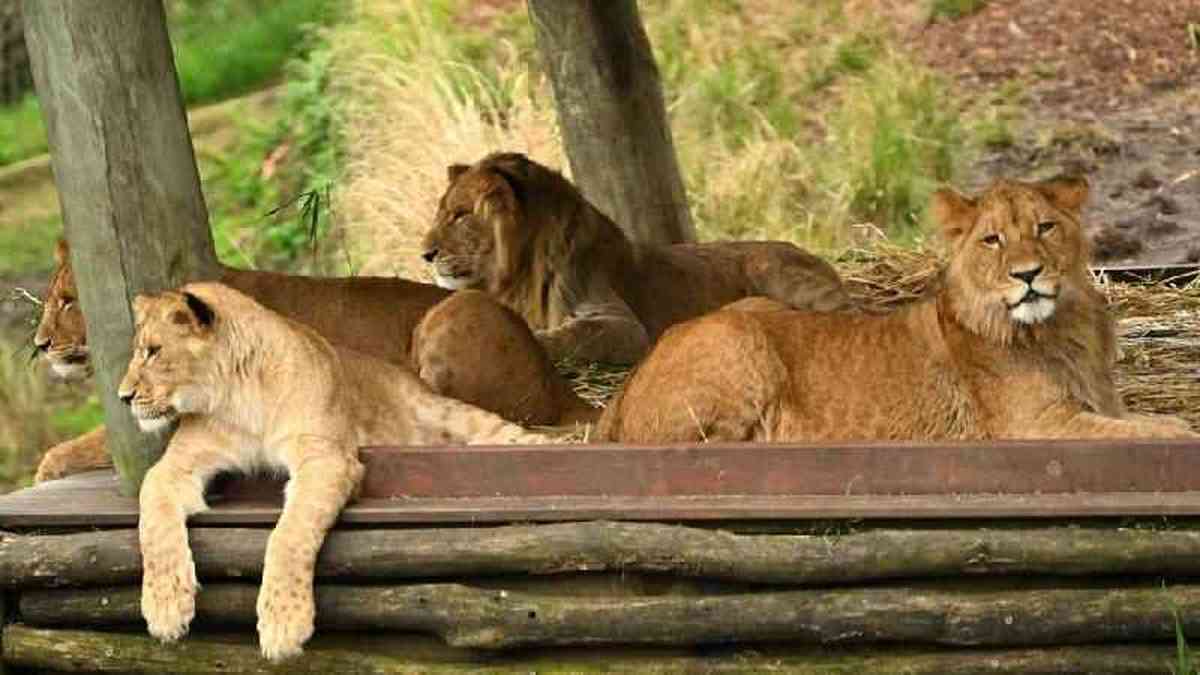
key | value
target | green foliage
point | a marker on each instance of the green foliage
(223, 48)
(907, 138)
(21, 132)
(25, 249)
(76, 420)
(228, 47)
(25, 426)
(954, 9)
(1184, 663)
(267, 217)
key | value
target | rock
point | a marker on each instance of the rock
(1112, 244)
(1147, 180)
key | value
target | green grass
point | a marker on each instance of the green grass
(223, 48)
(954, 9)
(21, 132)
(25, 250)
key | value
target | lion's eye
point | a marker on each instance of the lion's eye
(151, 352)
(1044, 227)
(992, 240)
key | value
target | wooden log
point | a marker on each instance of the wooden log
(465, 616)
(126, 178)
(111, 557)
(614, 122)
(86, 651)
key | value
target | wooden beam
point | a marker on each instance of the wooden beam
(494, 618)
(90, 500)
(611, 111)
(111, 557)
(126, 178)
(108, 651)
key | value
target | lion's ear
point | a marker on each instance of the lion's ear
(1066, 192)
(954, 212)
(198, 312)
(61, 252)
(454, 171)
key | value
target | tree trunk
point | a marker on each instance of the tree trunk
(85, 651)
(471, 617)
(610, 109)
(126, 177)
(111, 557)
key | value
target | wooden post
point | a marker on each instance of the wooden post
(126, 178)
(610, 108)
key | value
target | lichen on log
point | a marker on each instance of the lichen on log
(466, 616)
(111, 557)
(90, 651)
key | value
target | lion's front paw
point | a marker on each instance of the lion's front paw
(169, 599)
(285, 618)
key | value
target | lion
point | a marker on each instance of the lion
(468, 348)
(254, 390)
(1013, 342)
(524, 234)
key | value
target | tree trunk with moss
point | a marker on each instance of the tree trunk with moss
(126, 178)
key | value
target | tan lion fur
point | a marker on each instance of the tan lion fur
(523, 233)
(472, 342)
(253, 390)
(988, 354)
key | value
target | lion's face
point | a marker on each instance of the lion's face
(61, 336)
(172, 359)
(1017, 251)
(470, 243)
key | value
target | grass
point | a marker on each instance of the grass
(26, 248)
(222, 48)
(954, 9)
(22, 134)
(26, 426)
(795, 121)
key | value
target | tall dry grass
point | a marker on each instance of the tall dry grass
(410, 107)
(26, 422)
(794, 121)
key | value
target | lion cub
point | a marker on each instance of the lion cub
(254, 390)
(1015, 343)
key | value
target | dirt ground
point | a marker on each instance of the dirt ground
(1109, 88)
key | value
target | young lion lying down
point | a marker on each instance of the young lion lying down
(1015, 343)
(254, 390)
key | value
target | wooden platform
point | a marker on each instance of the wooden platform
(503, 484)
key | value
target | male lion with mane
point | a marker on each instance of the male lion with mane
(464, 345)
(523, 233)
(1015, 342)
(251, 390)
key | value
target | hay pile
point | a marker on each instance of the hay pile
(1159, 328)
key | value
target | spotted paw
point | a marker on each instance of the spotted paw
(285, 619)
(169, 599)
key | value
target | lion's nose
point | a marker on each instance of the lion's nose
(41, 344)
(430, 255)
(126, 397)
(1027, 275)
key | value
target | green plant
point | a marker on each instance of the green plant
(26, 427)
(1184, 664)
(22, 134)
(228, 47)
(954, 9)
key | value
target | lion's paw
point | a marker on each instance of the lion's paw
(169, 600)
(285, 618)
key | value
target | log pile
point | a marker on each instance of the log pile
(642, 596)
